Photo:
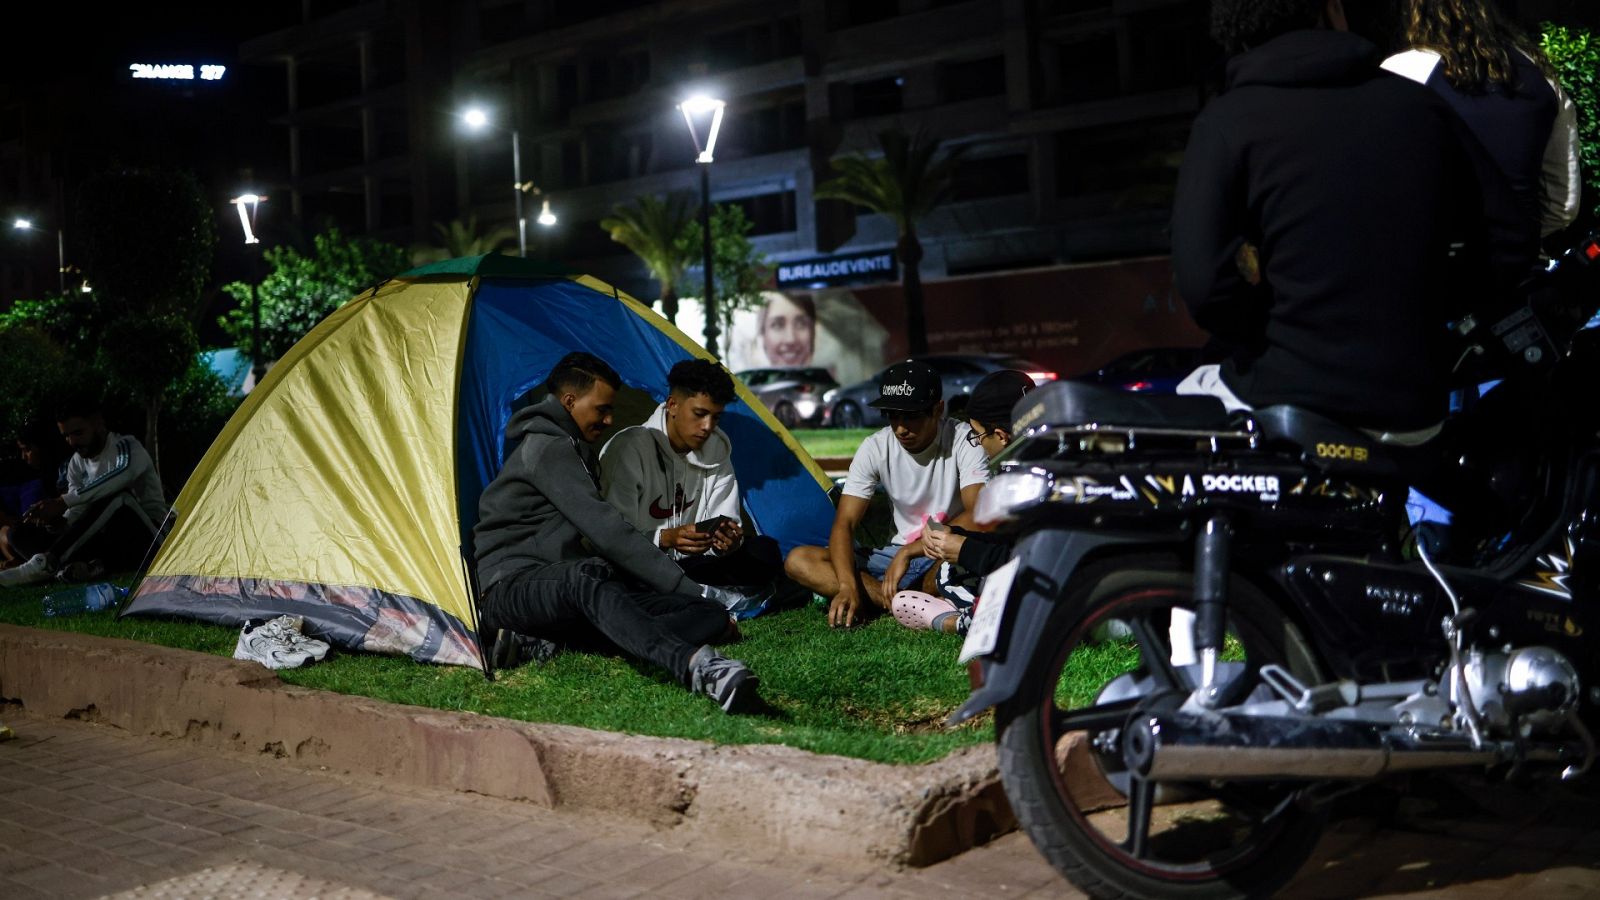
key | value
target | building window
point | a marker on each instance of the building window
(1138, 163)
(616, 76)
(497, 24)
(768, 213)
(1169, 49)
(878, 97)
(850, 13)
(771, 128)
(972, 79)
(990, 176)
(1083, 70)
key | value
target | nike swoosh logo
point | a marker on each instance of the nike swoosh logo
(658, 511)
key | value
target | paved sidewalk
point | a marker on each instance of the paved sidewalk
(88, 811)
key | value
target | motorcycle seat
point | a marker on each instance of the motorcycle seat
(1076, 403)
(1329, 445)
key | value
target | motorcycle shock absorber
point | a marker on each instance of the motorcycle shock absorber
(1211, 563)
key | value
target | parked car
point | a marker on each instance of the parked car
(793, 394)
(847, 407)
(1155, 369)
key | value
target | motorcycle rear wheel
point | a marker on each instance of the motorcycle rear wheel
(1073, 797)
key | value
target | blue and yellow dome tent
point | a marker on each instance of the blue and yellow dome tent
(345, 488)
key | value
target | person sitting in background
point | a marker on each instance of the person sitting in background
(1497, 80)
(105, 518)
(675, 471)
(557, 561)
(927, 470)
(965, 556)
(35, 474)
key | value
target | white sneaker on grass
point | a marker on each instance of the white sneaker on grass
(278, 643)
(34, 571)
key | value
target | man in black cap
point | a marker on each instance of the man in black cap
(927, 468)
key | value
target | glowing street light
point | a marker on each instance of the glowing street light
(709, 112)
(247, 223)
(476, 118)
(61, 251)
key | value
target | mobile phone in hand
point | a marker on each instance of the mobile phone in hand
(712, 525)
(936, 525)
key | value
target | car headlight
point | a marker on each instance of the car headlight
(1009, 493)
(830, 395)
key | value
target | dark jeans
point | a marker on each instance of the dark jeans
(112, 531)
(756, 563)
(567, 600)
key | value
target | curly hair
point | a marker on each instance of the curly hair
(1239, 25)
(1473, 38)
(701, 376)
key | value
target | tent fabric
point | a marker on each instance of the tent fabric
(345, 488)
(337, 477)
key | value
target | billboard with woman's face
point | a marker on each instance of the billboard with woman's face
(1068, 319)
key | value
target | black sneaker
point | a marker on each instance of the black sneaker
(512, 649)
(727, 681)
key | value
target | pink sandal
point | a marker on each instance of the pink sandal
(922, 612)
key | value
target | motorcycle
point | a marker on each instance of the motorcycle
(1213, 625)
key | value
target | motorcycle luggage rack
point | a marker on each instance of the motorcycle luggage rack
(1106, 437)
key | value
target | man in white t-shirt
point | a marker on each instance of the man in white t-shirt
(928, 470)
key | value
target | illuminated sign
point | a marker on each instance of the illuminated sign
(176, 72)
(851, 268)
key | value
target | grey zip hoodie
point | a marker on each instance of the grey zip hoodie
(544, 507)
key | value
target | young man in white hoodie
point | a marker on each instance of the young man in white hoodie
(108, 514)
(675, 472)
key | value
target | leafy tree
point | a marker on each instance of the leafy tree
(302, 289)
(147, 239)
(740, 271)
(68, 319)
(35, 370)
(1575, 55)
(458, 238)
(656, 229)
(906, 183)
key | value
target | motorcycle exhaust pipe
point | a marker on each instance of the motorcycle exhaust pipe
(1182, 746)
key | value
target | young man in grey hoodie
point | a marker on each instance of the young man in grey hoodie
(675, 472)
(553, 556)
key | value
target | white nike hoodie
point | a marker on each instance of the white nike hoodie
(655, 488)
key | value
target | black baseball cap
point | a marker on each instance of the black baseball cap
(993, 397)
(909, 386)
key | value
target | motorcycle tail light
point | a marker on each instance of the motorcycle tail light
(1140, 386)
(1042, 377)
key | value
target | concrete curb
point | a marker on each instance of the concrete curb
(789, 800)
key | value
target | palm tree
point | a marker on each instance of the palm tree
(905, 184)
(458, 238)
(654, 228)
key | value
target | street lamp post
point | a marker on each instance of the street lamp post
(477, 119)
(61, 251)
(701, 107)
(247, 222)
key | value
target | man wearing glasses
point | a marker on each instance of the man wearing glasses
(929, 470)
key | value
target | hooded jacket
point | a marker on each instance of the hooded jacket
(544, 507)
(1352, 183)
(655, 487)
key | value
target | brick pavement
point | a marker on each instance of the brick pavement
(88, 811)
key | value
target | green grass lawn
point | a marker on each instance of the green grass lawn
(831, 441)
(877, 692)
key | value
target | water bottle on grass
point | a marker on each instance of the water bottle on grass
(82, 598)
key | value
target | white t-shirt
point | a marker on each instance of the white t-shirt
(918, 485)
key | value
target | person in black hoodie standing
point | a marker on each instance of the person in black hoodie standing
(553, 555)
(1316, 209)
